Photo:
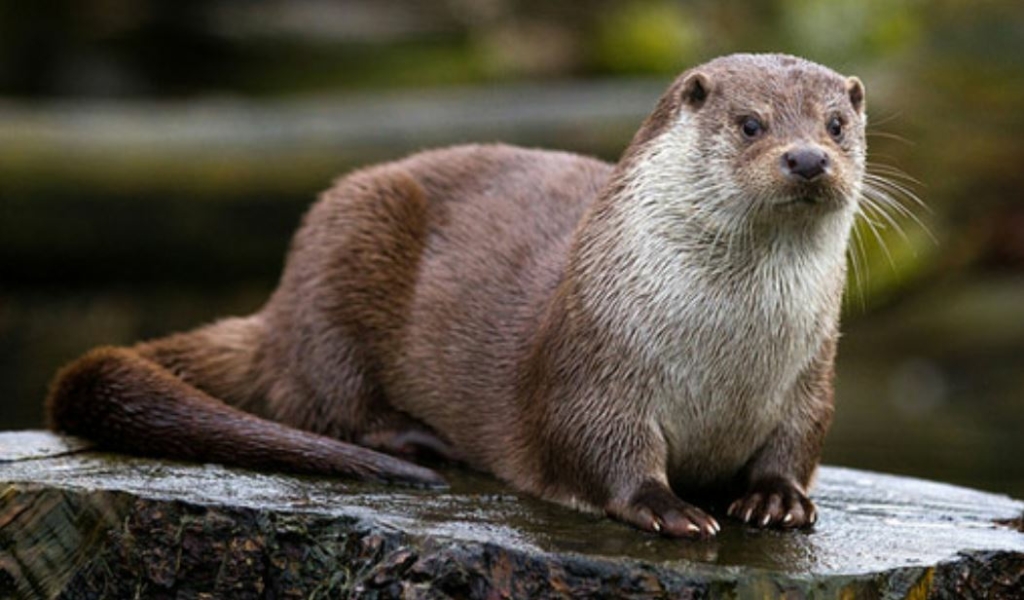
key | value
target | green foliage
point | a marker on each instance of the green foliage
(654, 36)
(834, 30)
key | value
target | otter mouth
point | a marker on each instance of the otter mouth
(801, 202)
(807, 200)
(815, 199)
(820, 193)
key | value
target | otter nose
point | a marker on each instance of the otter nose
(806, 163)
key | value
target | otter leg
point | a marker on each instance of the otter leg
(776, 479)
(409, 439)
(617, 461)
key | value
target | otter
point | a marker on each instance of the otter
(631, 338)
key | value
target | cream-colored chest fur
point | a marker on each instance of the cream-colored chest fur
(717, 355)
(727, 370)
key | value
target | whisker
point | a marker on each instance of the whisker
(880, 210)
(858, 258)
(884, 199)
(889, 136)
(887, 202)
(881, 243)
(886, 119)
(891, 171)
(884, 193)
(892, 192)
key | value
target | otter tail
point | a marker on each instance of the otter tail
(127, 402)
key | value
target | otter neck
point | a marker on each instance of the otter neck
(667, 230)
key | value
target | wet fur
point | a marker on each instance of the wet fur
(604, 336)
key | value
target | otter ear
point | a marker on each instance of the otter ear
(695, 90)
(855, 89)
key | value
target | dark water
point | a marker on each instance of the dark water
(934, 387)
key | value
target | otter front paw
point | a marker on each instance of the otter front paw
(774, 502)
(654, 507)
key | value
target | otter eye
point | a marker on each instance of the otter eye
(751, 127)
(835, 128)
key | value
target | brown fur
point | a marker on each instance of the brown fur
(440, 305)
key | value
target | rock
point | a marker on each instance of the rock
(80, 524)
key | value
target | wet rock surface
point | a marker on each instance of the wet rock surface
(75, 523)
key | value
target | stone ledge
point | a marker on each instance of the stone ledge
(81, 524)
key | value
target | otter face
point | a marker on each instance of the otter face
(773, 133)
(791, 132)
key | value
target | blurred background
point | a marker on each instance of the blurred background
(156, 155)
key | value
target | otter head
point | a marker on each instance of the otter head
(754, 139)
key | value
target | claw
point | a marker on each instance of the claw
(654, 507)
(774, 502)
